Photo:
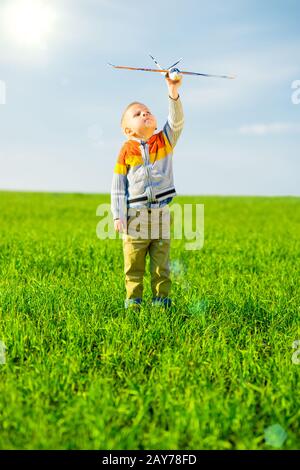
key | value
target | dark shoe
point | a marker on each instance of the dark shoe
(162, 302)
(133, 303)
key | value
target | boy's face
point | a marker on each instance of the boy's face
(139, 122)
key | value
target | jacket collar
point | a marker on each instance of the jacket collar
(141, 141)
(135, 139)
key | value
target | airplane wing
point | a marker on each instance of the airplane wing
(205, 74)
(138, 68)
(185, 72)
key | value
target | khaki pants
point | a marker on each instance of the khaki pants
(153, 238)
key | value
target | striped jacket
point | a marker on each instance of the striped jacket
(143, 173)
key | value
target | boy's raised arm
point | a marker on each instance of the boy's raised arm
(174, 124)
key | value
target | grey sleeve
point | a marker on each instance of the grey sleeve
(174, 124)
(119, 196)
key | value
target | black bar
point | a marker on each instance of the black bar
(137, 199)
(140, 458)
(170, 191)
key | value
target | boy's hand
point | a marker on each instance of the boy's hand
(118, 225)
(173, 86)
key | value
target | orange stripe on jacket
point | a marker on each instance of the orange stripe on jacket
(130, 154)
(120, 167)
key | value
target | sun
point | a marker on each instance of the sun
(29, 22)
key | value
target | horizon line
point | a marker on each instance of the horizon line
(41, 191)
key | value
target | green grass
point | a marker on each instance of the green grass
(213, 373)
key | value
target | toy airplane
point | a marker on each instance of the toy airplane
(172, 72)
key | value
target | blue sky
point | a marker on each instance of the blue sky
(59, 126)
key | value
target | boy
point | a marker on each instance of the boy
(143, 185)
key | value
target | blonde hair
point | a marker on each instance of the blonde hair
(125, 111)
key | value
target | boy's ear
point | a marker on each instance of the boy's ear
(128, 132)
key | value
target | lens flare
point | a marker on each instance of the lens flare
(29, 22)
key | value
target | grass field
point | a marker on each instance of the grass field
(213, 373)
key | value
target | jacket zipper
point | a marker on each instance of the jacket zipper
(148, 171)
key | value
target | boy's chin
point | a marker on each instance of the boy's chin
(151, 128)
(147, 132)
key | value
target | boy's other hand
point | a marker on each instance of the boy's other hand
(173, 86)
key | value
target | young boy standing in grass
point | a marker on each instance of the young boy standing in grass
(142, 187)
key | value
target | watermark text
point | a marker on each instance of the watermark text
(182, 221)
